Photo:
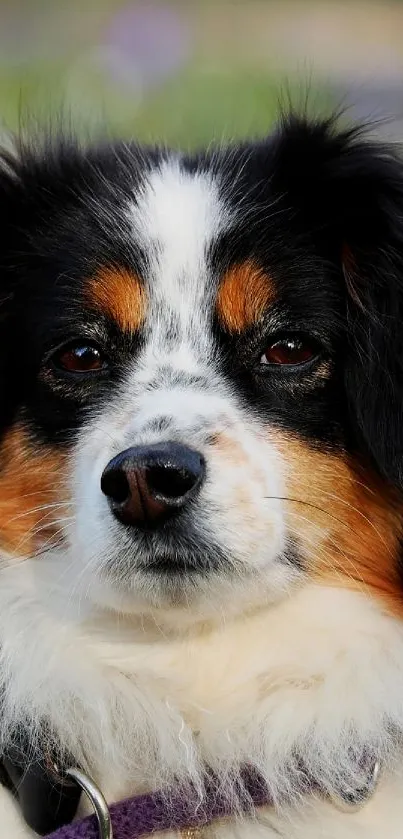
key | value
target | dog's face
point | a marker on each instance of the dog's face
(201, 370)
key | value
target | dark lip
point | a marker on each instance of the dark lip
(183, 563)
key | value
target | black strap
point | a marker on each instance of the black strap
(47, 801)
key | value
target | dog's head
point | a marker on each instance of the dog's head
(201, 369)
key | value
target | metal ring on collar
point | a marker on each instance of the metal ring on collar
(97, 800)
(351, 801)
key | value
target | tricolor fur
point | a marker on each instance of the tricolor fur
(264, 625)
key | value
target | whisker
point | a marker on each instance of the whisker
(32, 510)
(306, 503)
(331, 515)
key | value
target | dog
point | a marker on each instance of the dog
(201, 472)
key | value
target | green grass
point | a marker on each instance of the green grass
(199, 108)
(230, 89)
(194, 108)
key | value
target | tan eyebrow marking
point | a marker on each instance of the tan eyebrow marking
(245, 292)
(120, 294)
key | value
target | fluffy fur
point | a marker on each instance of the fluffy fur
(245, 303)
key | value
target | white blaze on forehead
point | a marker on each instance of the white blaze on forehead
(175, 218)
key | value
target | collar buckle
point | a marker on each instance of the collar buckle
(97, 800)
(351, 800)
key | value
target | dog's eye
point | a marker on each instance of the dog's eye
(290, 350)
(79, 358)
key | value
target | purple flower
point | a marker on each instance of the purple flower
(145, 44)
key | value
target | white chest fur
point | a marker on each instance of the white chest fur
(141, 704)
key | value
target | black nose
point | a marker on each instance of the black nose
(146, 485)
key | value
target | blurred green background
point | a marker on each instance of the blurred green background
(189, 72)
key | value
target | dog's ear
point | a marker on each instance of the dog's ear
(374, 362)
(349, 191)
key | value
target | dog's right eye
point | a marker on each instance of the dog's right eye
(79, 358)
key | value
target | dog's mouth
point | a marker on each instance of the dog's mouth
(177, 564)
(187, 557)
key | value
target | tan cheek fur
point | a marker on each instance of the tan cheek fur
(31, 480)
(348, 524)
(119, 294)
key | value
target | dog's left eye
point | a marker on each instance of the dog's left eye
(291, 350)
(79, 358)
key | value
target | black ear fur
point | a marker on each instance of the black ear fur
(348, 190)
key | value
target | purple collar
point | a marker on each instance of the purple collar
(147, 814)
(48, 793)
(182, 810)
(49, 797)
